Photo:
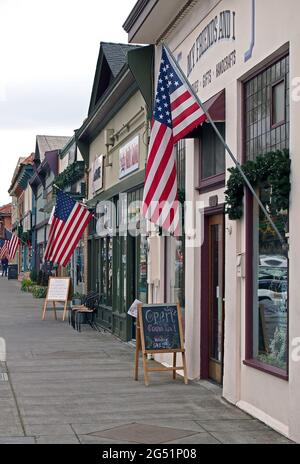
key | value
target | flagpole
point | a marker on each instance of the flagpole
(236, 162)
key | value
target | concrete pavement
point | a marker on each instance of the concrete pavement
(64, 387)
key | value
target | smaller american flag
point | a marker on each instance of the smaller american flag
(4, 248)
(68, 224)
(13, 246)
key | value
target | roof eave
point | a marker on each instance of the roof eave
(135, 14)
(125, 72)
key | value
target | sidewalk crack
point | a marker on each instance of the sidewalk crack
(16, 401)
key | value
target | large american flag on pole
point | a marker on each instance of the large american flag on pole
(177, 112)
(67, 226)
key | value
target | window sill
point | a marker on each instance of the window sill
(275, 371)
(212, 183)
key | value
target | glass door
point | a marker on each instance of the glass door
(216, 297)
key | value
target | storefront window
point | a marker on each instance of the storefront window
(267, 103)
(142, 271)
(138, 248)
(106, 271)
(278, 103)
(175, 247)
(212, 151)
(270, 292)
(124, 273)
(77, 268)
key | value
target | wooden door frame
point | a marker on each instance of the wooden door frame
(204, 277)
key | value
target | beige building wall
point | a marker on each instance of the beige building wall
(275, 401)
(133, 112)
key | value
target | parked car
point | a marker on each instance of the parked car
(274, 290)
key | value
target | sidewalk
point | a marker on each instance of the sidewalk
(66, 387)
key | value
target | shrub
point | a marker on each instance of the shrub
(26, 285)
(39, 292)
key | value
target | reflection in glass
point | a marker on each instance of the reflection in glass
(176, 271)
(278, 100)
(142, 274)
(270, 287)
(106, 255)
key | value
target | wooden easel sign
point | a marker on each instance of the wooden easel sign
(159, 330)
(58, 292)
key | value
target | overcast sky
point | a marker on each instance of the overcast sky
(48, 56)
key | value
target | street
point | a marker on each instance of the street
(68, 387)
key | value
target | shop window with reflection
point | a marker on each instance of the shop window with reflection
(106, 274)
(176, 271)
(270, 286)
(267, 110)
(138, 248)
(267, 129)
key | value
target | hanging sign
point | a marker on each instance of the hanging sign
(129, 157)
(97, 173)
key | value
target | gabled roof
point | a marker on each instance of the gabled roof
(116, 55)
(21, 175)
(112, 58)
(5, 210)
(46, 143)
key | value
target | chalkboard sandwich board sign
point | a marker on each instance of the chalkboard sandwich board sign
(159, 330)
(58, 292)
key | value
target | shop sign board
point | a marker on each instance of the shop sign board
(160, 330)
(97, 173)
(58, 292)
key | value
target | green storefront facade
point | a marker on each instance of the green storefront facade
(118, 266)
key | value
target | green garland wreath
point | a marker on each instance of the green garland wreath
(70, 175)
(272, 169)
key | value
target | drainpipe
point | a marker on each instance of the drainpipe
(249, 52)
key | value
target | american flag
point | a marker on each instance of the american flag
(177, 112)
(4, 248)
(13, 246)
(67, 226)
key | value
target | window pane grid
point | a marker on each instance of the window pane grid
(267, 128)
(261, 137)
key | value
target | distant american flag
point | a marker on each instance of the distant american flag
(176, 113)
(68, 224)
(4, 248)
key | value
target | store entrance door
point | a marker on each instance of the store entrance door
(216, 297)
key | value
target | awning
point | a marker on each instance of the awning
(216, 109)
